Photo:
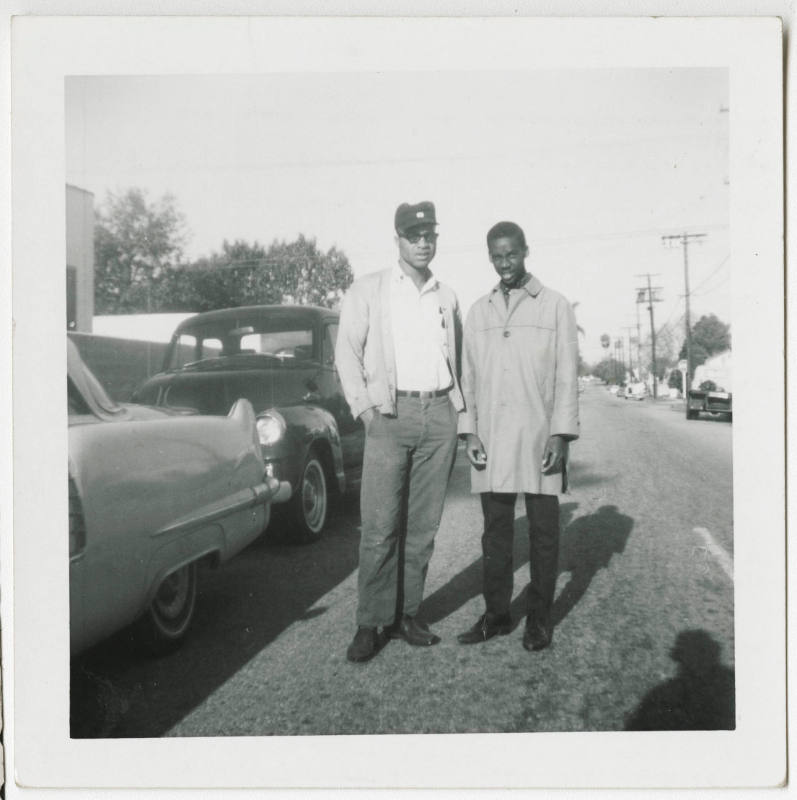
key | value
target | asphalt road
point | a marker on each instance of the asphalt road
(644, 614)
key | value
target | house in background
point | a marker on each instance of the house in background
(79, 259)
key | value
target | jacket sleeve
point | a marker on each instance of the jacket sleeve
(468, 419)
(350, 349)
(565, 402)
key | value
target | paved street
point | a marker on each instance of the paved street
(644, 614)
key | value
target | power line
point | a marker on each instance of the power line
(713, 288)
(716, 270)
(685, 239)
(675, 308)
(616, 235)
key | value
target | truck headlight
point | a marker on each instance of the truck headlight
(271, 428)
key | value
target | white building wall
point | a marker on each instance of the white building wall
(80, 258)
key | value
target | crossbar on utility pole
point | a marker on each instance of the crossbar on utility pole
(684, 239)
(651, 299)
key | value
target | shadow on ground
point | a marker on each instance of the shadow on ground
(118, 691)
(701, 697)
(587, 545)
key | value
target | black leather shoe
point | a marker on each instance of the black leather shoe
(365, 645)
(413, 632)
(537, 635)
(487, 626)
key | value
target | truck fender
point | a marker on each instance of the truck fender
(315, 426)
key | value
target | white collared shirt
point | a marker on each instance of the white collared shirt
(419, 334)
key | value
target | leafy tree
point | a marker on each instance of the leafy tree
(137, 253)
(609, 370)
(135, 243)
(221, 280)
(249, 274)
(299, 271)
(709, 336)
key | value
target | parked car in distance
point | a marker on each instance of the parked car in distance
(635, 391)
(151, 494)
(712, 388)
(282, 359)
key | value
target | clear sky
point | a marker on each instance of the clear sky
(595, 165)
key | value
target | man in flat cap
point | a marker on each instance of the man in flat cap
(397, 355)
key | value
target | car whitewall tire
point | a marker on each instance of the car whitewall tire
(169, 616)
(311, 500)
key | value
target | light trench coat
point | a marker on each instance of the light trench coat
(520, 384)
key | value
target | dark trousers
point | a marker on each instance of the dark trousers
(542, 511)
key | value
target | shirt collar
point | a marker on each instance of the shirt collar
(532, 285)
(399, 276)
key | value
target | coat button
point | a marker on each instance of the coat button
(506, 334)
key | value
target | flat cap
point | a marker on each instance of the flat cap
(412, 216)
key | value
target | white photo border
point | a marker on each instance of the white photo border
(45, 50)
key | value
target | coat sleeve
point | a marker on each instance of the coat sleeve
(565, 421)
(350, 350)
(468, 419)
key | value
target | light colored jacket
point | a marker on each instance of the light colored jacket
(520, 383)
(364, 352)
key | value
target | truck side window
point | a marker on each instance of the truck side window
(330, 337)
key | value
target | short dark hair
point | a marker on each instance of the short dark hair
(506, 229)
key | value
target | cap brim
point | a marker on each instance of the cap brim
(416, 227)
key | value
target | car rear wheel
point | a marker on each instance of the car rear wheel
(310, 503)
(169, 615)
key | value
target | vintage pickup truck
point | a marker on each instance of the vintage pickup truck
(712, 388)
(281, 359)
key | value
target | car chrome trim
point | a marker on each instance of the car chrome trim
(243, 499)
(284, 493)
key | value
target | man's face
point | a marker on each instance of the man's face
(417, 246)
(508, 256)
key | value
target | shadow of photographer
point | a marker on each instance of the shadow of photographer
(701, 696)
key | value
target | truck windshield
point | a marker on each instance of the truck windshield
(284, 341)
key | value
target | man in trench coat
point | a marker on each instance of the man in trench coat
(520, 384)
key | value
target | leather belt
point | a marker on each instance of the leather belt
(424, 395)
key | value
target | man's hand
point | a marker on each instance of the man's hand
(474, 450)
(555, 455)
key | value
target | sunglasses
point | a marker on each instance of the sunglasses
(430, 237)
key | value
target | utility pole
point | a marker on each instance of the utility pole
(684, 239)
(647, 294)
(618, 348)
(627, 329)
(616, 360)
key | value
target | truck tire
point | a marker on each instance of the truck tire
(309, 507)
